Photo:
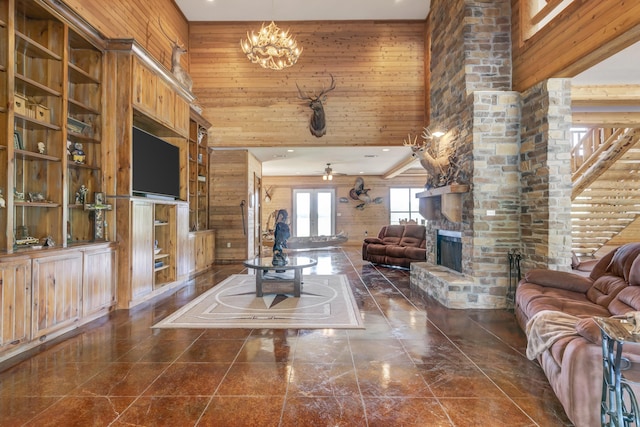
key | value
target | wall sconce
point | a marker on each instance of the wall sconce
(427, 134)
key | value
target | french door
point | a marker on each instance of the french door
(314, 212)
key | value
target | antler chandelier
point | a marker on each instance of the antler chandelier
(271, 47)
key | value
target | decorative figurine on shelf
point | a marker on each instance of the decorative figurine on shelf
(78, 154)
(97, 212)
(81, 195)
(201, 134)
(49, 242)
(280, 236)
(22, 237)
(18, 196)
(2, 202)
(41, 148)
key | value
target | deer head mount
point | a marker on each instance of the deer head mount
(177, 50)
(437, 167)
(317, 123)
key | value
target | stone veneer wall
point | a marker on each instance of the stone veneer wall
(546, 175)
(471, 96)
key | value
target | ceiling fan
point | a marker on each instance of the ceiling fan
(329, 173)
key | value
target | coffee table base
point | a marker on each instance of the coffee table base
(296, 281)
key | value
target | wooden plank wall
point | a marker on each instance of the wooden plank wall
(228, 187)
(379, 95)
(582, 35)
(139, 19)
(349, 220)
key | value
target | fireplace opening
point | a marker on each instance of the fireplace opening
(449, 249)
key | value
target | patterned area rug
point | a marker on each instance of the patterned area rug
(325, 302)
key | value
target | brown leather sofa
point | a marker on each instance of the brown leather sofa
(396, 245)
(573, 363)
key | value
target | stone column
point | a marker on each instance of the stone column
(546, 175)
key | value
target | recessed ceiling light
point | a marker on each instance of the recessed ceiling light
(386, 149)
(290, 150)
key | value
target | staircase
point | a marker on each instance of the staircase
(606, 189)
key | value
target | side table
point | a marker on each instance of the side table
(619, 406)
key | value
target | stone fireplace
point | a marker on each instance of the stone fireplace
(471, 96)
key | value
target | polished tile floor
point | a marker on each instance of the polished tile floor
(415, 364)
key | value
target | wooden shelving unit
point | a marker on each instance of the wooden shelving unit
(164, 237)
(198, 172)
(85, 70)
(38, 76)
(53, 276)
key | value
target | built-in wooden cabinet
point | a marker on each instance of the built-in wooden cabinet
(202, 238)
(141, 250)
(155, 97)
(151, 237)
(152, 231)
(51, 160)
(57, 290)
(165, 232)
(15, 304)
(98, 281)
(53, 291)
(205, 249)
(54, 273)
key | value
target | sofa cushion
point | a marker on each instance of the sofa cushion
(395, 251)
(558, 279)
(605, 288)
(578, 308)
(623, 259)
(528, 292)
(416, 253)
(413, 235)
(393, 234)
(627, 300)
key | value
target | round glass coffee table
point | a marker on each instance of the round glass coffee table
(265, 264)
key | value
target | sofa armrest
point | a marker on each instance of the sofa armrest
(372, 240)
(558, 279)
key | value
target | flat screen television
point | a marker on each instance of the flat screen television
(156, 166)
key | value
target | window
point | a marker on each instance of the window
(403, 205)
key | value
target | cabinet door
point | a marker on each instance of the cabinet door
(210, 248)
(144, 88)
(99, 281)
(201, 256)
(142, 249)
(181, 116)
(164, 103)
(15, 304)
(57, 286)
